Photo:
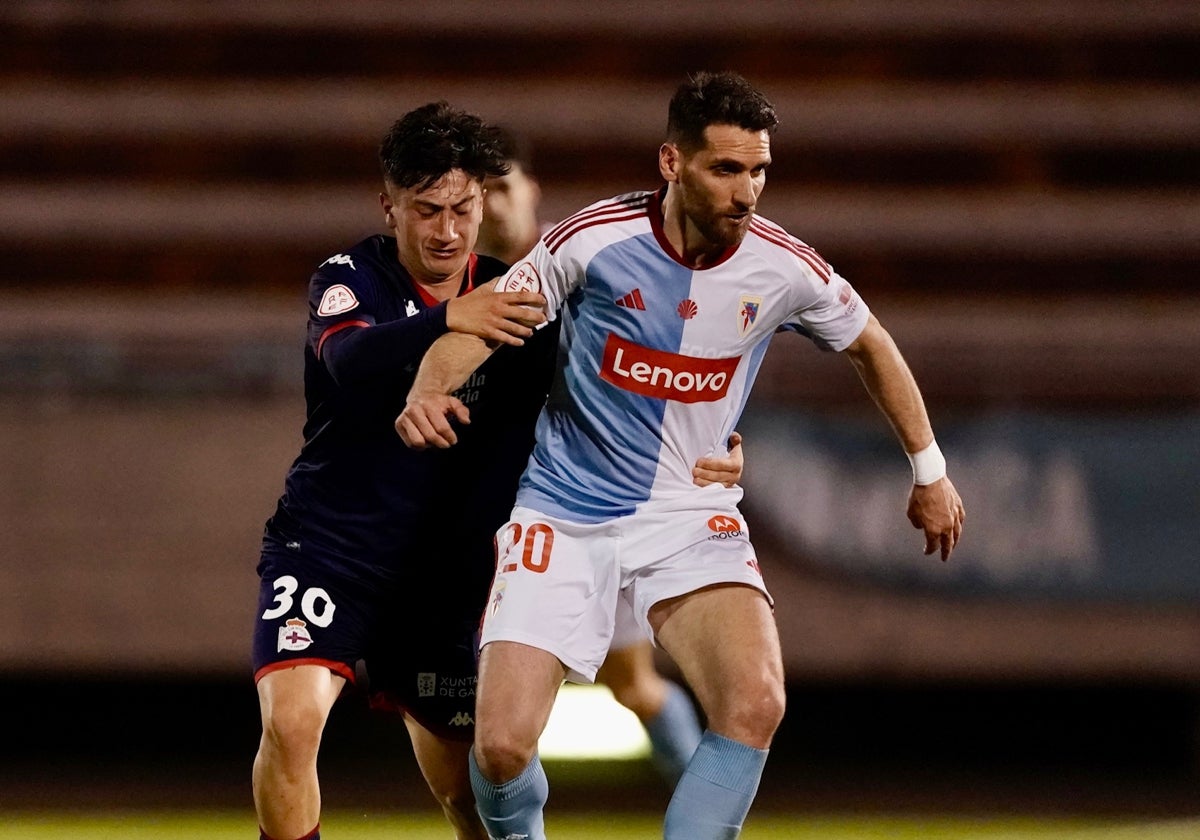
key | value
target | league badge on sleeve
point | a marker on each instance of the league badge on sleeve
(337, 299)
(523, 278)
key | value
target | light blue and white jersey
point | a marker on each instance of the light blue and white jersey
(656, 359)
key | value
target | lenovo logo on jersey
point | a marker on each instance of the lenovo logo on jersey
(667, 376)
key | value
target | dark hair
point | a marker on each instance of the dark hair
(516, 149)
(429, 141)
(716, 99)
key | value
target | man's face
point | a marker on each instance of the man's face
(720, 183)
(510, 208)
(436, 227)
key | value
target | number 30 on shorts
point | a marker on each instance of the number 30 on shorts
(315, 603)
(535, 553)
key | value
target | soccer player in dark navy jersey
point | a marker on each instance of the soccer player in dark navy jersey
(376, 553)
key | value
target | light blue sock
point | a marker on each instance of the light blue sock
(674, 734)
(713, 797)
(513, 810)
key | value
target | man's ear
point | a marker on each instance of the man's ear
(669, 162)
(385, 201)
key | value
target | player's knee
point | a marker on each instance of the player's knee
(293, 730)
(501, 755)
(753, 715)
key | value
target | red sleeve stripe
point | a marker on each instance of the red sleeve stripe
(780, 237)
(613, 211)
(335, 329)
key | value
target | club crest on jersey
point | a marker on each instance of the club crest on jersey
(293, 635)
(687, 309)
(523, 278)
(747, 312)
(336, 300)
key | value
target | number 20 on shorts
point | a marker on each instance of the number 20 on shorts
(535, 548)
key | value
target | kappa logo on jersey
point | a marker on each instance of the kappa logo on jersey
(293, 635)
(426, 684)
(725, 528)
(337, 299)
(462, 719)
(523, 278)
(339, 259)
(687, 309)
(748, 312)
(410, 308)
(667, 376)
(633, 300)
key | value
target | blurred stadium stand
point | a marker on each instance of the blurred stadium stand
(1014, 185)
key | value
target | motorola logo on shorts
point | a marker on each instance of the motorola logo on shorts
(667, 376)
(725, 528)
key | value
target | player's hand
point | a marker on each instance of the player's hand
(937, 510)
(727, 470)
(425, 420)
(504, 317)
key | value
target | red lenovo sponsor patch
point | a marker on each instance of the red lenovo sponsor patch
(667, 376)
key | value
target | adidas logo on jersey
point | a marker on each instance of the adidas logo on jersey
(633, 300)
(462, 719)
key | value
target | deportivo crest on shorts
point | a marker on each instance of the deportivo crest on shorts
(293, 635)
(336, 300)
(523, 278)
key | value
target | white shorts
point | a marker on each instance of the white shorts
(558, 583)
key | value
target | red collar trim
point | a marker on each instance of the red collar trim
(468, 283)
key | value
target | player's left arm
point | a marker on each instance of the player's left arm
(727, 470)
(934, 505)
(425, 420)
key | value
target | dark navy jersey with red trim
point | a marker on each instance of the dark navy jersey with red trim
(356, 495)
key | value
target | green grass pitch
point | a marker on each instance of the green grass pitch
(358, 826)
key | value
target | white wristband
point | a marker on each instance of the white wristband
(928, 465)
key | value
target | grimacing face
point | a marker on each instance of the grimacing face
(436, 227)
(720, 183)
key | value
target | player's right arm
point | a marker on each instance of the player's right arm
(425, 420)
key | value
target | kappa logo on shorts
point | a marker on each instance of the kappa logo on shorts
(523, 278)
(293, 635)
(462, 719)
(426, 684)
(725, 528)
(337, 299)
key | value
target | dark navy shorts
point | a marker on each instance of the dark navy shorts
(419, 648)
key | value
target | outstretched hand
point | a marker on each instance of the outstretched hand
(425, 421)
(937, 510)
(727, 470)
(505, 317)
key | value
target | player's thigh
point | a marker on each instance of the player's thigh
(726, 644)
(443, 762)
(295, 703)
(517, 687)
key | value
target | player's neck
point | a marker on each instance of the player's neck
(441, 290)
(691, 246)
